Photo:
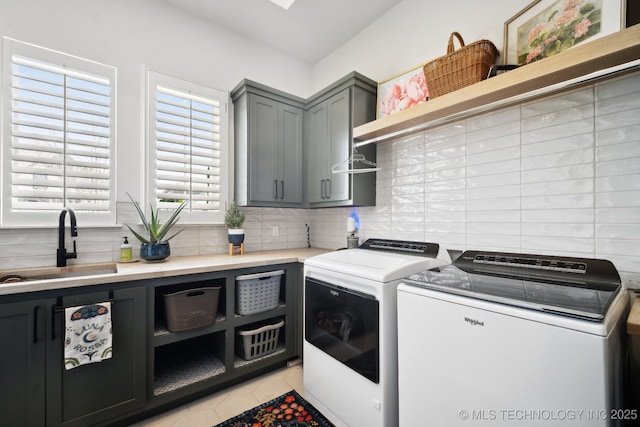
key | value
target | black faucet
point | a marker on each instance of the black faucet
(63, 256)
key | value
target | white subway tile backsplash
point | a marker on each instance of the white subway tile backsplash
(558, 173)
(570, 143)
(618, 199)
(558, 102)
(571, 215)
(559, 245)
(584, 230)
(563, 130)
(617, 86)
(618, 151)
(570, 186)
(618, 167)
(618, 183)
(556, 160)
(564, 201)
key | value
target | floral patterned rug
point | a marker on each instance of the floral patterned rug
(288, 410)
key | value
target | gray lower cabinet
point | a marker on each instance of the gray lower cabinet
(268, 146)
(22, 363)
(153, 368)
(331, 116)
(37, 389)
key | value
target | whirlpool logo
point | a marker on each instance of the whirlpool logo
(473, 322)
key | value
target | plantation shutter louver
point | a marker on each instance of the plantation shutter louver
(188, 138)
(59, 137)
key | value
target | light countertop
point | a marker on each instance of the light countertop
(174, 266)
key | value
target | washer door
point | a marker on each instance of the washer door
(344, 324)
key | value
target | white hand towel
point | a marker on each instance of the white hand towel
(88, 334)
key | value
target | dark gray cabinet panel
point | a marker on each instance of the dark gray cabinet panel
(331, 116)
(268, 147)
(89, 394)
(37, 390)
(22, 361)
(286, 146)
(328, 144)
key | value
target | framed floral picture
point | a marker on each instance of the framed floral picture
(402, 92)
(547, 27)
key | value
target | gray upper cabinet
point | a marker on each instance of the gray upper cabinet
(268, 146)
(285, 144)
(331, 116)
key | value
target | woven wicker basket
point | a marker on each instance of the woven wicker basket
(459, 68)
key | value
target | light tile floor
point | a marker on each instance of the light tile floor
(218, 407)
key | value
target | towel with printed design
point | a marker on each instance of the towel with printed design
(88, 334)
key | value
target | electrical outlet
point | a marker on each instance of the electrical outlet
(275, 231)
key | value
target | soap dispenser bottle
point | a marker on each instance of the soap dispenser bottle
(126, 251)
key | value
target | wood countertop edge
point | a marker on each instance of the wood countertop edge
(633, 320)
(175, 266)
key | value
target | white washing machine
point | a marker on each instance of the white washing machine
(350, 324)
(510, 339)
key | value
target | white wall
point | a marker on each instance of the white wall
(414, 32)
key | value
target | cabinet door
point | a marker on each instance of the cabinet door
(22, 360)
(316, 160)
(290, 186)
(328, 138)
(263, 151)
(92, 393)
(340, 144)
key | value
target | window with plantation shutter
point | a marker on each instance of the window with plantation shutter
(188, 147)
(58, 136)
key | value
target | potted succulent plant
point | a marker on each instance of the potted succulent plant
(234, 218)
(155, 246)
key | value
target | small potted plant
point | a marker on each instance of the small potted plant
(234, 218)
(155, 247)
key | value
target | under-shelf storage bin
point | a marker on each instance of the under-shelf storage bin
(261, 341)
(191, 308)
(258, 292)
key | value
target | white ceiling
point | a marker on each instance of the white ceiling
(308, 30)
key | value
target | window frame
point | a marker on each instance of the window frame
(38, 54)
(154, 79)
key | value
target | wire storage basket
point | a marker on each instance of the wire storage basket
(459, 68)
(258, 292)
(261, 341)
(191, 308)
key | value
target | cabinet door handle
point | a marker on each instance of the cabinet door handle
(275, 188)
(282, 190)
(36, 310)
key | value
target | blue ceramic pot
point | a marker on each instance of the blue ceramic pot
(236, 236)
(155, 251)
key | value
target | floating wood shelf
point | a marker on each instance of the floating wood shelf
(572, 66)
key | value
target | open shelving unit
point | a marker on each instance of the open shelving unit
(206, 358)
(611, 54)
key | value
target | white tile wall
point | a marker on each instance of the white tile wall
(23, 248)
(557, 175)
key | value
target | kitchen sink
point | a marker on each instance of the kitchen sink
(50, 273)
